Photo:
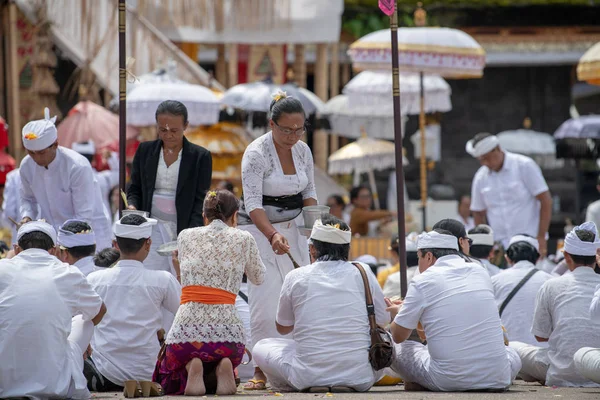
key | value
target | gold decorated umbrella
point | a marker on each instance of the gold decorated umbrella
(227, 143)
(364, 156)
(588, 68)
(449, 53)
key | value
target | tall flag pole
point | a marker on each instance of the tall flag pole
(122, 101)
(389, 8)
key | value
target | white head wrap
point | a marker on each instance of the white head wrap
(482, 147)
(527, 239)
(143, 231)
(435, 240)
(69, 239)
(37, 226)
(41, 134)
(576, 246)
(411, 241)
(87, 148)
(330, 234)
(367, 259)
(482, 239)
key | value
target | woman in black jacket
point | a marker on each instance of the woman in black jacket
(169, 179)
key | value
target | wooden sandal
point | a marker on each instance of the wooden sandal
(151, 389)
(132, 389)
(257, 384)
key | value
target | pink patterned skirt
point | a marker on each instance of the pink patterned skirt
(170, 371)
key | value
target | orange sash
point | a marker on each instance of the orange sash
(206, 295)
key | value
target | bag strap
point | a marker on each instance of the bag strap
(369, 300)
(516, 289)
(243, 296)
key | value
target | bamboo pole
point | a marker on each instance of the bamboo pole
(232, 65)
(398, 142)
(14, 105)
(221, 65)
(300, 65)
(122, 100)
(320, 143)
(334, 87)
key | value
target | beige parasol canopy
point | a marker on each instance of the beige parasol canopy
(588, 68)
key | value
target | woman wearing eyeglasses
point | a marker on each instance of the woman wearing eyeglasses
(277, 180)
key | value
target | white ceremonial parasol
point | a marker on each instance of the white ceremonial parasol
(371, 93)
(443, 51)
(364, 156)
(450, 53)
(588, 68)
(347, 122)
(202, 104)
(257, 96)
(538, 145)
(585, 127)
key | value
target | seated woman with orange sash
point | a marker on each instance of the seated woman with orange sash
(207, 336)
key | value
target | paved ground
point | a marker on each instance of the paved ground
(519, 391)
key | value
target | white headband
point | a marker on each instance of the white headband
(41, 134)
(483, 146)
(70, 239)
(411, 241)
(527, 239)
(483, 239)
(330, 234)
(435, 240)
(86, 148)
(37, 226)
(576, 246)
(143, 231)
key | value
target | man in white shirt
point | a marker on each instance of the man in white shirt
(509, 191)
(77, 244)
(587, 359)
(464, 212)
(592, 213)
(11, 206)
(125, 344)
(324, 306)
(562, 316)
(107, 179)
(454, 302)
(516, 288)
(391, 287)
(481, 247)
(60, 181)
(47, 315)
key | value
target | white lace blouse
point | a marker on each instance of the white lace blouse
(216, 256)
(262, 173)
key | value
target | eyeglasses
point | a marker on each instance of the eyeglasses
(469, 240)
(290, 131)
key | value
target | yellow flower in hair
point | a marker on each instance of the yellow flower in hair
(279, 95)
(336, 226)
(212, 193)
(31, 136)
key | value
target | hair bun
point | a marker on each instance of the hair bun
(280, 95)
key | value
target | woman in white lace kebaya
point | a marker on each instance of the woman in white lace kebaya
(278, 180)
(207, 334)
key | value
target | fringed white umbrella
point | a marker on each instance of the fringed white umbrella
(202, 104)
(347, 122)
(538, 145)
(588, 68)
(364, 156)
(257, 96)
(371, 93)
(447, 52)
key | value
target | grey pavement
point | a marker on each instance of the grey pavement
(518, 391)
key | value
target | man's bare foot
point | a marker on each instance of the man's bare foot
(195, 380)
(225, 379)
